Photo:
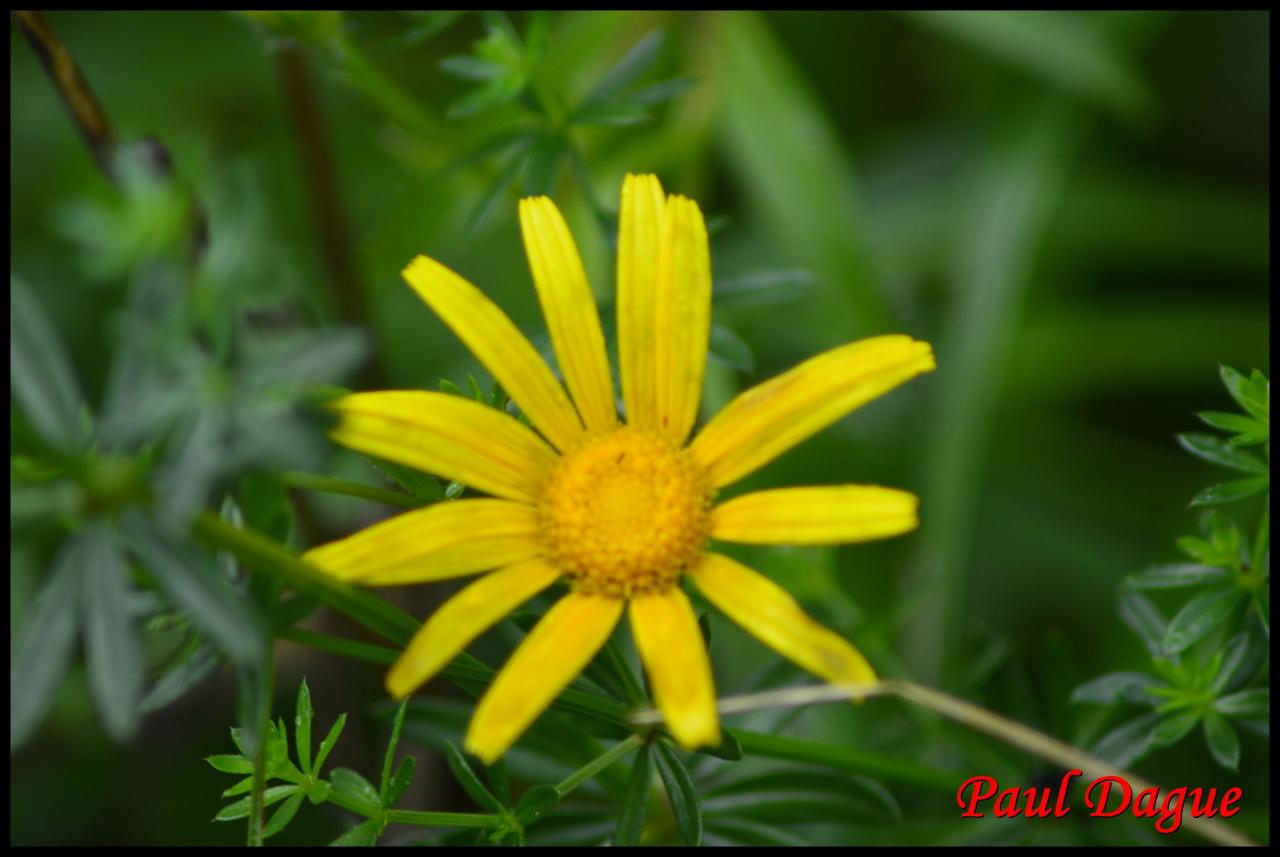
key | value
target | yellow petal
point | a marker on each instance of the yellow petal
(450, 436)
(440, 541)
(768, 612)
(675, 658)
(464, 617)
(570, 311)
(682, 317)
(496, 343)
(770, 418)
(542, 665)
(821, 515)
(640, 233)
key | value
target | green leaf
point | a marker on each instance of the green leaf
(543, 169)
(183, 674)
(397, 724)
(626, 71)
(240, 809)
(400, 781)
(537, 802)
(239, 788)
(1246, 431)
(471, 67)
(113, 644)
(192, 583)
(504, 180)
(302, 717)
(363, 834)
(1255, 702)
(681, 792)
(1145, 621)
(1217, 451)
(42, 649)
(467, 778)
(40, 374)
(229, 764)
(784, 795)
(1223, 742)
(1116, 687)
(1059, 47)
(1199, 617)
(420, 485)
(326, 746)
(612, 115)
(740, 831)
(635, 805)
(1229, 492)
(728, 749)
(282, 816)
(1127, 743)
(1253, 393)
(731, 350)
(497, 774)
(1173, 728)
(352, 786)
(1243, 656)
(1174, 575)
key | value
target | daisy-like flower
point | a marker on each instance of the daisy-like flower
(621, 510)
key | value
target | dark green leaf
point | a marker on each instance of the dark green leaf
(1255, 702)
(1223, 742)
(616, 115)
(681, 792)
(185, 673)
(229, 764)
(397, 723)
(282, 816)
(40, 375)
(1253, 393)
(497, 774)
(466, 777)
(193, 583)
(363, 834)
(504, 180)
(500, 90)
(239, 788)
(1247, 430)
(113, 644)
(1173, 728)
(1243, 656)
(400, 781)
(635, 806)
(1116, 687)
(537, 802)
(628, 70)
(783, 795)
(543, 168)
(1174, 575)
(1127, 743)
(656, 93)
(1229, 492)
(352, 786)
(740, 831)
(302, 717)
(42, 648)
(1145, 620)
(1199, 617)
(728, 749)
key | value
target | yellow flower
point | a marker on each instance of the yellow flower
(619, 510)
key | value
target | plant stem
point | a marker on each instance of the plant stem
(311, 482)
(410, 816)
(598, 764)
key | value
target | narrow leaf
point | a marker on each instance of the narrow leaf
(1229, 492)
(282, 816)
(467, 778)
(302, 717)
(400, 781)
(326, 746)
(113, 643)
(1199, 617)
(1116, 687)
(1173, 728)
(1223, 741)
(352, 786)
(1217, 451)
(681, 792)
(389, 759)
(229, 764)
(1174, 575)
(1255, 702)
(635, 805)
(1145, 620)
(40, 374)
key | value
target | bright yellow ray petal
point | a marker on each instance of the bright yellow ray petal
(542, 665)
(450, 436)
(496, 343)
(639, 251)
(819, 515)
(443, 540)
(768, 612)
(464, 617)
(675, 658)
(682, 317)
(770, 418)
(570, 311)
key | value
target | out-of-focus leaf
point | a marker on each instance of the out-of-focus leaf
(363, 834)
(471, 67)
(42, 649)
(420, 485)
(1199, 617)
(1127, 743)
(466, 777)
(1175, 575)
(635, 806)
(781, 795)
(113, 645)
(741, 831)
(40, 374)
(194, 460)
(228, 764)
(1229, 492)
(1223, 742)
(192, 583)
(397, 724)
(1252, 393)
(1145, 620)
(627, 70)
(184, 674)
(763, 288)
(1243, 656)
(544, 165)
(681, 792)
(1058, 46)
(728, 348)
(1116, 687)
(1173, 728)
(1216, 451)
(504, 180)
(303, 357)
(1255, 702)
(240, 809)
(537, 802)
(1246, 430)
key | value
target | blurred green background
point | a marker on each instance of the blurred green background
(1072, 207)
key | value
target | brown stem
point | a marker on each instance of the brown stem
(86, 112)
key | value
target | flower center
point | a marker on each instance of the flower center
(625, 512)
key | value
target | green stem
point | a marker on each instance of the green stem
(442, 819)
(312, 482)
(846, 759)
(598, 764)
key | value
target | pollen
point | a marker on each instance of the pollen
(625, 512)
